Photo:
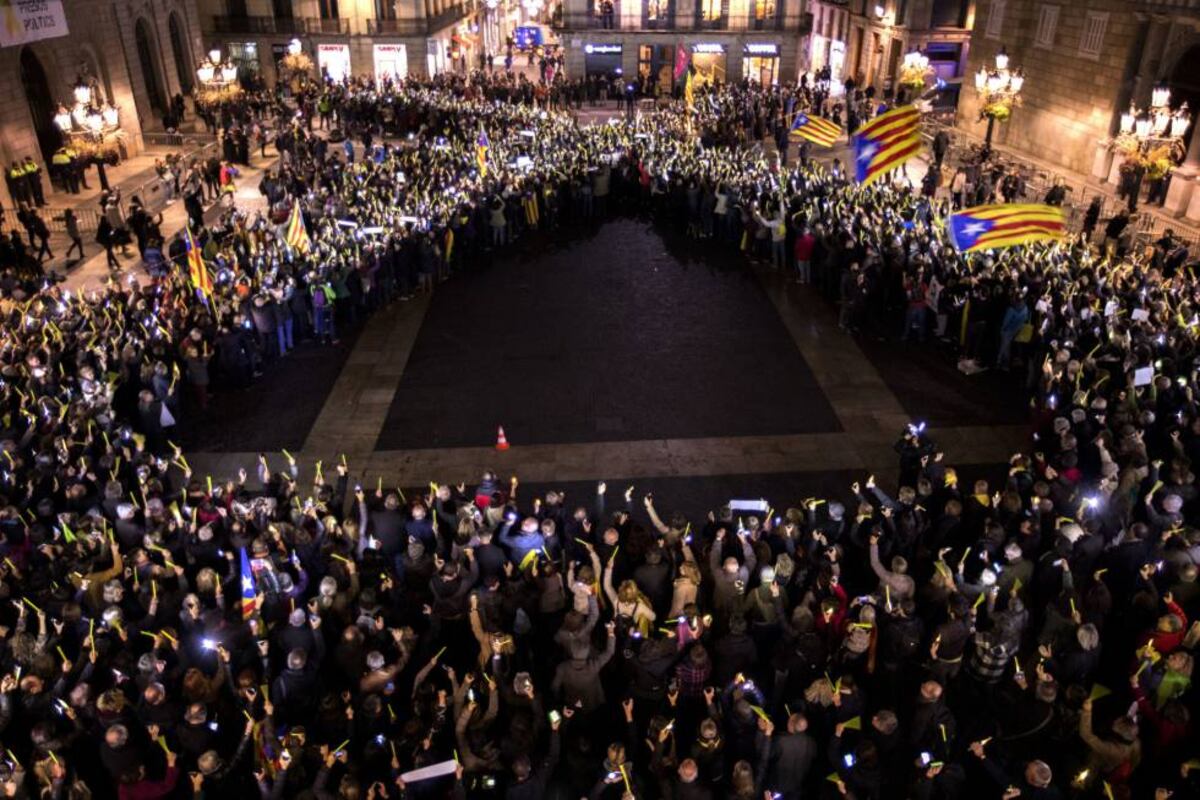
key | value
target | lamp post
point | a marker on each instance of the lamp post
(217, 79)
(999, 89)
(1148, 139)
(296, 64)
(914, 69)
(90, 125)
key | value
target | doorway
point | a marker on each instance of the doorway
(183, 67)
(141, 34)
(41, 103)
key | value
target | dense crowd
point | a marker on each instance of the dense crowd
(1029, 637)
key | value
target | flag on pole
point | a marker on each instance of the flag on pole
(481, 152)
(689, 88)
(817, 130)
(886, 142)
(197, 272)
(682, 59)
(297, 234)
(249, 589)
(1004, 225)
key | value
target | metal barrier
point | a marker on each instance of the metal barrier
(152, 192)
(1147, 226)
(177, 140)
(88, 217)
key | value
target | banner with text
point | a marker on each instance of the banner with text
(25, 21)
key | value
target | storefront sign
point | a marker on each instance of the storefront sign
(24, 21)
(334, 59)
(391, 61)
(762, 49)
(708, 47)
(603, 49)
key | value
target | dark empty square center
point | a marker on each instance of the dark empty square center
(609, 338)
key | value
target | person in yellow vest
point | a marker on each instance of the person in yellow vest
(18, 189)
(33, 177)
(62, 168)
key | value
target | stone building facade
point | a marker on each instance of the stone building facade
(1085, 62)
(362, 37)
(728, 40)
(141, 52)
(865, 40)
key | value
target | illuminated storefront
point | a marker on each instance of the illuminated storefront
(391, 61)
(334, 60)
(760, 63)
(602, 59)
(658, 62)
(710, 61)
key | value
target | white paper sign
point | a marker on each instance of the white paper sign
(24, 21)
(1140, 315)
(1143, 376)
(432, 771)
(1110, 308)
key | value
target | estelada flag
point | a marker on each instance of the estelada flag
(197, 271)
(816, 129)
(249, 588)
(1004, 225)
(297, 235)
(886, 142)
(481, 152)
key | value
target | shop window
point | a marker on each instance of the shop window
(658, 14)
(711, 13)
(245, 56)
(764, 9)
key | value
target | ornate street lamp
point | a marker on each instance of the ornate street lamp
(914, 71)
(217, 80)
(999, 90)
(295, 64)
(91, 127)
(1153, 138)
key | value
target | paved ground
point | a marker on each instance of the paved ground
(611, 338)
(629, 355)
(417, 393)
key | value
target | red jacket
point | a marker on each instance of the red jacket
(150, 790)
(804, 247)
(1166, 642)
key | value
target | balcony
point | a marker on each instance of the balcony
(284, 25)
(224, 24)
(419, 27)
(449, 16)
(339, 26)
(579, 22)
(796, 23)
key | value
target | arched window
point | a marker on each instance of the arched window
(183, 66)
(141, 34)
(41, 103)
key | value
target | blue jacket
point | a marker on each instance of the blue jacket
(519, 544)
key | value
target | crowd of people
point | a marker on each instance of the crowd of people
(169, 633)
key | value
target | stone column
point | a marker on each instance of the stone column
(1184, 181)
(1102, 160)
(1156, 39)
(1114, 172)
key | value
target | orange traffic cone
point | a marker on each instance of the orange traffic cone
(501, 440)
